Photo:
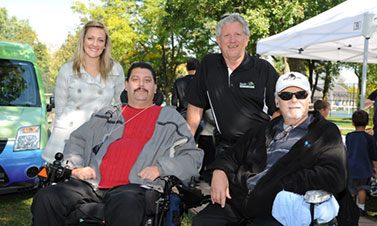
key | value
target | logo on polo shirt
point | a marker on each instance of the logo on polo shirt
(247, 85)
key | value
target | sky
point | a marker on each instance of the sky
(52, 20)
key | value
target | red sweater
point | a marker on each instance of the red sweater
(122, 154)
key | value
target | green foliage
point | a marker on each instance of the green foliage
(329, 71)
(371, 85)
(12, 83)
(167, 32)
(62, 55)
(13, 30)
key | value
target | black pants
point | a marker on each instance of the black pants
(214, 215)
(124, 205)
(207, 144)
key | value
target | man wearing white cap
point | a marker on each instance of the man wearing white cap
(296, 152)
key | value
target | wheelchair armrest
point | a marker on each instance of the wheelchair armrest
(316, 196)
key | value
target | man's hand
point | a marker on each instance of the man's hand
(149, 172)
(219, 188)
(369, 131)
(85, 173)
(368, 103)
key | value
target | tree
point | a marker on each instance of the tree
(62, 55)
(329, 70)
(371, 78)
(153, 31)
(167, 32)
(13, 30)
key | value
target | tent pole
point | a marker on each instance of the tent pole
(364, 76)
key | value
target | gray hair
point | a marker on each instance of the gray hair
(230, 18)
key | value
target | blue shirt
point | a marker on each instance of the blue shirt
(361, 151)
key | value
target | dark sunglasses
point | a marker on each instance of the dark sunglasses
(288, 95)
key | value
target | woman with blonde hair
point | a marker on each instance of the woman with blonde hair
(87, 83)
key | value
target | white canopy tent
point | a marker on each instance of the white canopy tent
(344, 33)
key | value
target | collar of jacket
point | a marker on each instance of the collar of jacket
(275, 121)
(247, 62)
(111, 113)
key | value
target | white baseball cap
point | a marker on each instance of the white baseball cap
(292, 79)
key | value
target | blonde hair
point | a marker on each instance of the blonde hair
(106, 61)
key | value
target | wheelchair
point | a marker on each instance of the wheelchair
(165, 209)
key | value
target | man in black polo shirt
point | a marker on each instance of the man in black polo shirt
(239, 88)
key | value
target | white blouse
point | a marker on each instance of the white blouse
(76, 99)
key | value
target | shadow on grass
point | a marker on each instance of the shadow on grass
(341, 121)
(371, 206)
(15, 208)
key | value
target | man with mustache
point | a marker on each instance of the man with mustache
(295, 152)
(119, 154)
(237, 87)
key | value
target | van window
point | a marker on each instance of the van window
(18, 84)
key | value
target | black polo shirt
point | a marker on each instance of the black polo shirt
(238, 100)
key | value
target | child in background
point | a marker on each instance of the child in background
(362, 158)
(323, 107)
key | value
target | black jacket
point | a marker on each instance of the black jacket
(316, 161)
(179, 94)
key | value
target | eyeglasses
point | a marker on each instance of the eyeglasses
(288, 95)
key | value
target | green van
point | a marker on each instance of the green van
(23, 117)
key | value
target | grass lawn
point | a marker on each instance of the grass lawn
(15, 209)
(345, 123)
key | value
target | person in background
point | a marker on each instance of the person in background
(87, 83)
(295, 152)
(180, 88)
(119, 154)
(362, 157)
(323, 107)
(239, 88)
(371, 100)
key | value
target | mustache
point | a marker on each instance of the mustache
(140, 89)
